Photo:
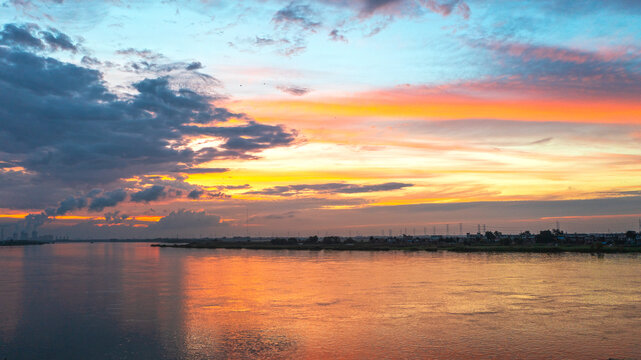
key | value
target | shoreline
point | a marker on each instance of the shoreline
(545, 249)
(22, 243)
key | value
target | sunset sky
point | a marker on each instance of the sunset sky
(219, 118)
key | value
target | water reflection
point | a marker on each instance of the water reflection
(114, 301)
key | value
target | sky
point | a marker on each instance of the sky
(272, 118)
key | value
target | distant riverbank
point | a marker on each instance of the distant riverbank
(365, 246)
(21, 243)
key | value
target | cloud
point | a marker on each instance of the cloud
(29, 36)
(556, 71)
(282, 45)
(510, 210)
(296, 14)
(353, 189)
(294, 90)
(71, 204)
(194, 66)
(265, 41)
(286, 215)
(188, 219)
(90, 61)
(115, 217)
(201, 170)
(148, 62)
(150, 194)
(445, 8)
(20, 36)
(58, 41)
(195, 194)
(329, 188)
(403, 8)
(200, 194)
(234, 187)
(144, 53)
(108, 199)
(335, 35)
(20, 190)
(61, 123)
(370, 6)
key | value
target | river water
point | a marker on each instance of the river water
(133, 301)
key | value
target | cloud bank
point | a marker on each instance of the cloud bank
(63, 128)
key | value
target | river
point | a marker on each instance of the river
(133, 301)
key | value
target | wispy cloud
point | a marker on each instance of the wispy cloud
(294, 90)
(329, 188)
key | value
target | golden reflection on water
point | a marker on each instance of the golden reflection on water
(403, 305)
(107, 301)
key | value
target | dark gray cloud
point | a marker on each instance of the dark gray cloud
(115, 217)
(292, 23)
(334, 188)
(90, 61)
(108, 199)
(353, 189)
(150, 63)
(196, 65)
(20, 35)
(201, 170)
(144, 53)
(71, 204)
(150, 194)
(62, 124)
(370, 6)
(195, 194)
(234, 187)
(30, 36)
(187, 219)
(297, 14)
(294, 90)
(202, 194)
(58, 41)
